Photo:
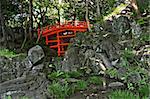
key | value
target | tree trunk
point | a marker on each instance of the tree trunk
(31, 19)
(87, 14)
(2, 24)
(97, 9)
(59, 15)
(134, 5)
(24, 27)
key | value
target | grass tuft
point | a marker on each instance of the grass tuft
(122, 94)
(81, 85)
(59, 91)
(8, 53)
(95, 80)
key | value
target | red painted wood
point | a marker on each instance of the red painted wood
(64, 44)
(54, 46)
(55, 31)
(67, 36)
(52, 41)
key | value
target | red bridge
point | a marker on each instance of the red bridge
(58, 36)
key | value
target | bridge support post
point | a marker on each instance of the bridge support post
(46, 39)
(75, 32)
(58, 44)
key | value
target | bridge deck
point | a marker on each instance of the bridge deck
(58, 36)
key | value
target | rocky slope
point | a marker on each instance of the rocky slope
(24, 77)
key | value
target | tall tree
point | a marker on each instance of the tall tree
(87, 14)
(97, 8)
(2, 23)
(134, 5)
(30, 18)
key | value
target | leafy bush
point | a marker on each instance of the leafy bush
(128, 53)
(144, 37)
(8, 97)
(143, 5)
(59, 91)
(95, 80)
(74, 74)
(122, 94)
(81, 85)
(58, 74)
(112, 72)
(7, 53)
(25, 97)
(55, 75)
(144, 90)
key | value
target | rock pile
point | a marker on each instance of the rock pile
(93, 51)
(23, 77)
(100, 49)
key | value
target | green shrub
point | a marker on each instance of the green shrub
(81, 85)
(25, 97)
(144, 90)
(122, 94)
(95, 80)
(112, 72)
(144, 37)
(7, 53)
(143, 5)
(8, 97)
(55, 75)
(74, 74)
(59, 91)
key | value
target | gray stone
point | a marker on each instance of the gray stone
(26, 63)
(97, 27)
(35, 54)
(134, 78)
(121, 72)
(116, 84)
(136, 29)
(38, 68)
(71, 60)
(120, 25)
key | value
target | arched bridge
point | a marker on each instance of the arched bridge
(58, 36)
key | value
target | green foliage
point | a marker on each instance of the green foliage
(127, 58)
(81, 85)
(143, 5)
(145, 37)
(144, 90)
(112, 72)
(133, 68)
(141, 21)
(95, 80)
(55, 75)
(122, 94)
(59, 91)
(130, 86)
(25, 97)
(128, 54)
(74, 74)
(115, 11)
(8, 53)
(9, 97)
(59, 74)
(111, 2)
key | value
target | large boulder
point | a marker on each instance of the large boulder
(71, 60)
(121, 25)
(35, 54)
